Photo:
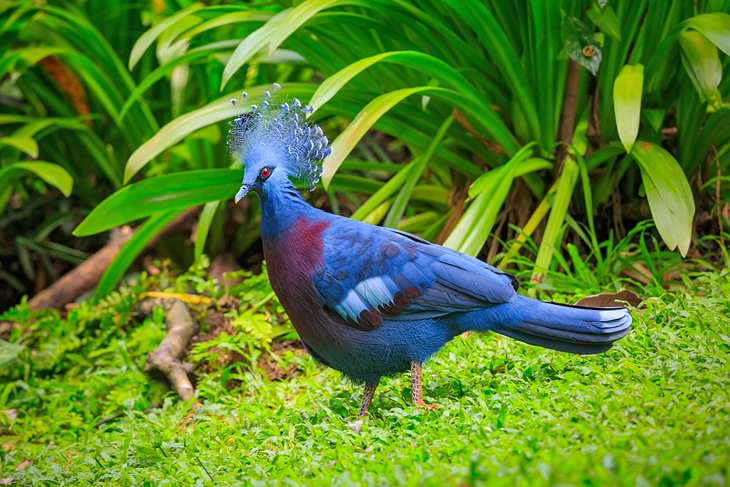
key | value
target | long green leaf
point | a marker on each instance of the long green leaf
(473, 229)
(297, 17)
(162, 193)
(423, 62)
(559, 208)
(669, 194)
(146, 39)
(201, 232)
(627, 103)
(250, 46)
(184, 125)
(401, 201)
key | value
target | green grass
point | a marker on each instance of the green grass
(652, 411)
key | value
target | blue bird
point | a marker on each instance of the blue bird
(371, 301)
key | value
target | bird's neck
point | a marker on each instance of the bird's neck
(281, 207)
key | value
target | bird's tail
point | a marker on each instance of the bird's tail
(566, 328)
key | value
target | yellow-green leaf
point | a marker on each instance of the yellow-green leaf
(714, 26)
(343, 145)
(627, 103)
(184, 125)
(49, 172)
(669, 194)
(703, 66)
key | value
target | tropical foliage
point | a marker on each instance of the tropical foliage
(524, 120)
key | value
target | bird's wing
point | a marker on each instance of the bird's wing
(370, 272)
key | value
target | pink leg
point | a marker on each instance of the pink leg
(416, 386)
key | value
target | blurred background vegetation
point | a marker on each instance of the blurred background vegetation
(583, 139)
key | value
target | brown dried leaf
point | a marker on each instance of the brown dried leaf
(611, 300)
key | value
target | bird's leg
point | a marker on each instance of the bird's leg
(416, 386)
(367, 398)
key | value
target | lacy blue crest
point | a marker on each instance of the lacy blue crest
(281, 129)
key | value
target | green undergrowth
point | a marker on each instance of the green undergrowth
(79, 409)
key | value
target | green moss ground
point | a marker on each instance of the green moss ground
(655, 410)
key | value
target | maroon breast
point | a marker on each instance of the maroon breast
(291, 260)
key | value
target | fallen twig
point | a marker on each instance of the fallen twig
(166, 358)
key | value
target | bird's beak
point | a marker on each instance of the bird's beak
(245, 188)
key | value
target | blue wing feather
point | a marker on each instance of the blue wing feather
(370, 272)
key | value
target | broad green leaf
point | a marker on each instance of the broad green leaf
(184, 125)
(559, 209)
(49, 172)
(703, 66)
(146, 39)
(226, 19)
(384, 192)
(164, 69)
(627, 90)
(159, 194)
(479, 17)
(714, 26)
(423, 62)
(669, 194)
(130, 250)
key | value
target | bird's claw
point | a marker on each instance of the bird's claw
(424, 404)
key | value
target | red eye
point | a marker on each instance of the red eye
(265, 172)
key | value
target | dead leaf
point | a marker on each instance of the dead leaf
(611, 300)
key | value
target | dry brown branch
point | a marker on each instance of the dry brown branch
(166, 358)
(567, 119)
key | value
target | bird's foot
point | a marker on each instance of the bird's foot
(422, 403)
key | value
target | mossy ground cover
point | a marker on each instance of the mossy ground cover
(79, 409)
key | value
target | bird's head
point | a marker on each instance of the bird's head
(276, 144)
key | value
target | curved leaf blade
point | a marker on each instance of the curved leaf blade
(297, 17)
(146, 39)
(418, 60)
(670, 196)
(52, 173)
(184, 125)
(162, 193)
